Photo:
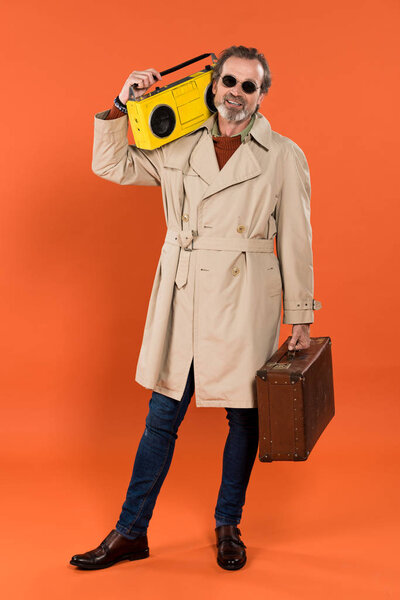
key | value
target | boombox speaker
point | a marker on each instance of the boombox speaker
(172, 111)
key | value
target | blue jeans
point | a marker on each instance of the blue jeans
(154, 456)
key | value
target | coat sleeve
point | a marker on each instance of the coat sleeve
(294, 238)
(114, 159)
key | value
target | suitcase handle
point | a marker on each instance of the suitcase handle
(290, 353)
(283, 351)
(184, 64)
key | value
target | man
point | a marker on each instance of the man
(228, 189)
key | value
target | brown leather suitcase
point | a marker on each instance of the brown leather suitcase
(295, 400)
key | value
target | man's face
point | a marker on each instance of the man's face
(245, 104)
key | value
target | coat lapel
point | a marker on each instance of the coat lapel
(242, 165)
(203, 159)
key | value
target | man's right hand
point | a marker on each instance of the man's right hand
(144, 79)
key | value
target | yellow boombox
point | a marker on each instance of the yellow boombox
(172, 111)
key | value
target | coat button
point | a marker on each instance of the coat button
(241, 228)
(185, 217)
(235, 271)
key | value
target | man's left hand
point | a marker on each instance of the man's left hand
(300, 339)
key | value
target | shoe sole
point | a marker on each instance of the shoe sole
(231, 567)
(132, 556)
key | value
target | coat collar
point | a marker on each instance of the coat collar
(261, 130)
(199, 147)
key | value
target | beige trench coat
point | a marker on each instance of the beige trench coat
(218, 285)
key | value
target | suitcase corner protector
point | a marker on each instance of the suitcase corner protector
(265, 458)
(262, 373)
(296, 376)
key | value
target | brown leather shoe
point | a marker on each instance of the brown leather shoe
(231, 549)
(112, 549)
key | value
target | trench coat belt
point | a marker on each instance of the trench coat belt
(190, 240)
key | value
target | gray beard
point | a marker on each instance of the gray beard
(233, 115)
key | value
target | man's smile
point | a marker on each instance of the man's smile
(233, 103)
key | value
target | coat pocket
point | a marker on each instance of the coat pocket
(274, 280)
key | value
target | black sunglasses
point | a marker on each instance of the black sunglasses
(249, 87)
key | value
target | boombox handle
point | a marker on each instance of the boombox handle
(184, 64)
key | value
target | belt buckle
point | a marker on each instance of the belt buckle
(316, 304)
(189, 247)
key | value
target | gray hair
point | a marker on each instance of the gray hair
(249, 54)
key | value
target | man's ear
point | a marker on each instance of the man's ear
(261, 98)
(214, 86)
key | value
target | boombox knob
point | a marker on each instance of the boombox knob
(208, 67)
(158, 87)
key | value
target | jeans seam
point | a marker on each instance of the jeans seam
(140, 509)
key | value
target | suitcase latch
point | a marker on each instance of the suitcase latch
(281, 365)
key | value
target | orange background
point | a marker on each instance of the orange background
(78, 261)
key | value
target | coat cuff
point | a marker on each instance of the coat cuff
(300, 312)
(102, 125)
